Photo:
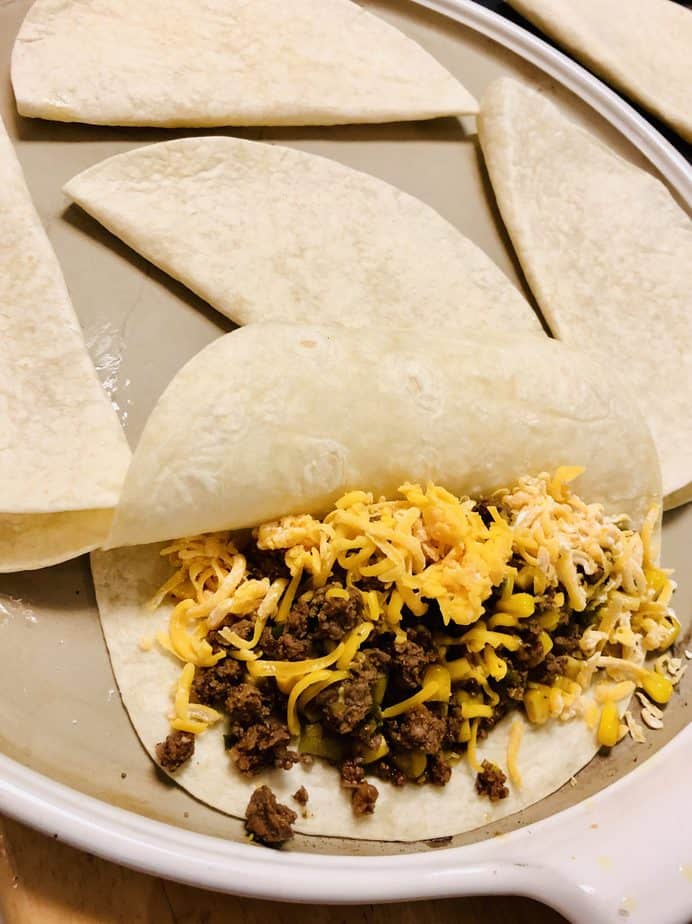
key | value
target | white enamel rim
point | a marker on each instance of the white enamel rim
(590, 879)
(657, 150)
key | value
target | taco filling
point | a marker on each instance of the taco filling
(390, 636)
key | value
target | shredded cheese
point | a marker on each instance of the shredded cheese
(516, 733)
(537, 555)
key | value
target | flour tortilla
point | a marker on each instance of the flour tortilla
(277, 418)
(63, 455)
(641, 47)
(273, 419)
(264, 232)
(224, 62)
(608, 255)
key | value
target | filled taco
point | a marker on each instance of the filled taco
(440, 588)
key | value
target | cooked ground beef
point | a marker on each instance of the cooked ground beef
(531, 652)
(567, 642)
(418, 730)
(178, 747)
(363, 798)
(344, 706)
(264, 745)
(491, 782)
(335, 616)
(438, 771)
(409, 661)
(453, 727)
(352, 772)
(481, 508)
(265, 563)
(347, 705)
(212, 685)
(268, 821)
(388, 771)
(245, 706)
(514, 685)
(301, 796)
(553, 666)
(285, 647)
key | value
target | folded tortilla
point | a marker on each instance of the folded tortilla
(641, 47)
(277, 418)
(224, 62)
(273, 419)
(608, 255)
(63, 455)
(264, 232)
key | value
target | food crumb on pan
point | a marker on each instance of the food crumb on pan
(651, 714)
(301, 796)
(634, 728)
(268, 821)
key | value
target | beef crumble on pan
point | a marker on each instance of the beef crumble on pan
(268, 821)
(301, 796)
(391, 637)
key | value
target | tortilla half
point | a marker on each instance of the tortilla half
(608, 255)
(224, 62)
(276, 418)
(264, 232)
(272, 419)
(63, 455)
(641, 47)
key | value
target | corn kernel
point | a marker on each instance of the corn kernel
(609, 725)
(658, 687)
(372, 754)
(549, 620)
(521, 605)
(545, 641)
(536, 705)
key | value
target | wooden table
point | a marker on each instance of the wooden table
(45, 882)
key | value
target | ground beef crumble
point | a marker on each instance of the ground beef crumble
(268, 821)
(363, 798)
(212, 685)
(301, 796)
(178, 748)
(264, 745)
(490, 781)
(418, 729)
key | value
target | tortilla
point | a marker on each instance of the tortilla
(641, 47)
(607, 253)
(224, 62)
(273, 419)
(269, 233)
(63, 455)
(276, 418)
